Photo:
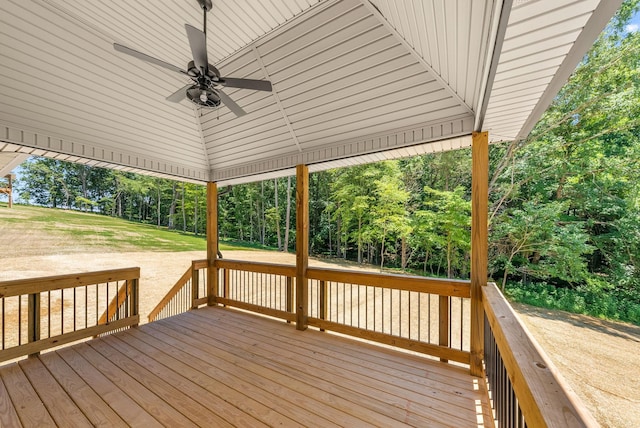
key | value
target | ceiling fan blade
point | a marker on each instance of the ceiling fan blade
(180, 94)
(257, 85)
(198, 43)
(231, 105)
(147, 58)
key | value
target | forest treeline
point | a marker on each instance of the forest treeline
(564, 202)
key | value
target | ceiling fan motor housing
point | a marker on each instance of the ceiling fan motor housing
(195, 92)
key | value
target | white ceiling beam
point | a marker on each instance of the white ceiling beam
(375, 12)
(274, 92)
(499, 29)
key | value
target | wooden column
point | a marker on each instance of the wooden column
(212, 242)
(479, 244)
(302, 245)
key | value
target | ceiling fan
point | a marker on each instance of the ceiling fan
(205, 89)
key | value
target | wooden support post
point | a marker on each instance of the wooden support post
(479, 244)
(33, 315)
(195, 285)
(212, 242)
(302, 245)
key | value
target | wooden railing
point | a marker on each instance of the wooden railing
(188, 293)
(525, 387)
(268, 289)
(425, 315)
(416, 313)
(41, 313)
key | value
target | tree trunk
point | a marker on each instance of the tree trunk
(275, 186)
(384, 235)
(359, 239)
(195, 213)
(338, 232)
(449, 273)
(263, 230)
(184, 213)
(159, 204)
(83, 178)
(287, 217)
(172, 207)
(403, 261)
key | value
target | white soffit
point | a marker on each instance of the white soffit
(352, 79)
(544, 42)
(10, 160)
(344, 86)
(449, 35)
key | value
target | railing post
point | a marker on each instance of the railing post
(195, 285)
(302, 245)
(289, 297)
(135, 298)
(226, 279)
(323, 301)
(479, 244)
(212, 242)
(33, 329)
(443, 323)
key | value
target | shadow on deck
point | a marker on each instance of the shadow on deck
(221, 367)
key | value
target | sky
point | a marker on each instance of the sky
(634, 25)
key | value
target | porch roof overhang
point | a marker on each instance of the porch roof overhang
(354, 80)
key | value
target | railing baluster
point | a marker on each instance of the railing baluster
(19, 320)
(33, 319)
(3, 323)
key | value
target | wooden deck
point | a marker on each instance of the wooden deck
(218, 367)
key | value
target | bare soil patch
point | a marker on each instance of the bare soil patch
(599, 359)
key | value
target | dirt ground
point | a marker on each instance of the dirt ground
(599, 359)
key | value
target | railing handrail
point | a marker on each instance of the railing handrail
(544, 397)
(19, 287)
(259, 267)
(173, 291)
(440, 286)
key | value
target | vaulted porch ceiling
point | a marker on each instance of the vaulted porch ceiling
(354, 81)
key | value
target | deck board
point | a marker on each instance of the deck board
(221, 367)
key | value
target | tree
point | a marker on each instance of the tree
(536, 239)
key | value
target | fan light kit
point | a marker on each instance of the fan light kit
(205, 88)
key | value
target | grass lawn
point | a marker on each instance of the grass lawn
(95, 230)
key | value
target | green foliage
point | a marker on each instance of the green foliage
(536, 239)
(589, 299)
